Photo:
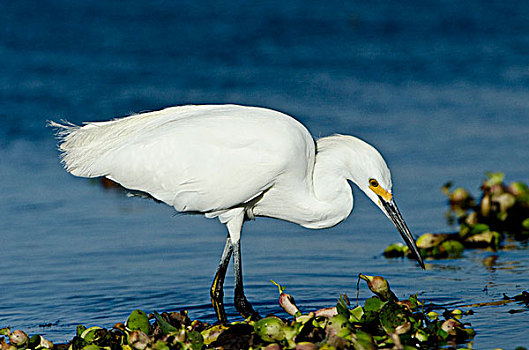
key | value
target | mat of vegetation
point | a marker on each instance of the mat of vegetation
(502, 211)
(383, 321)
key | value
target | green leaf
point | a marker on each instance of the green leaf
(164, 325)
(80, 329)
(453, 248)
(478, 228)
(396, 250)
(160, 345)
(356, 314)
(525, 223)
(415, 303)
(442, 334)
(391, 316)
(336, 323)
(77, 343)
(89, 333)
(432, 315)
(523, 198)
(34, 341)
(342, 307)
(430, 240)
(363, 341)
(196, 340)
(494, 178)
(138, 320)
(497, 239)
(91, 347)
(421, 335)
(464, 230)
(270, 329)
(373, 304)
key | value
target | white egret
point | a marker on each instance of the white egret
(234, 163)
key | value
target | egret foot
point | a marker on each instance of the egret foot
(242, 304)
(244, 307)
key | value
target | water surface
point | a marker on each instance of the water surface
(440, 88)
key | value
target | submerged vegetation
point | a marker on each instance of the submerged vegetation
(502, 211)
(383, 321)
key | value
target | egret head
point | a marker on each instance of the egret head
(369, 172)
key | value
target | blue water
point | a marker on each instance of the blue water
(440, 88)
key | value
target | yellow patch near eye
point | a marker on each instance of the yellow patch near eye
(380, 191)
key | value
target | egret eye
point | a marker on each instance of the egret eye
(373, 183)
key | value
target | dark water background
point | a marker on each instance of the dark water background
(440, 87)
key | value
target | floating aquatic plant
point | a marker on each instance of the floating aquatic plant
(501, 211)
(383, 321)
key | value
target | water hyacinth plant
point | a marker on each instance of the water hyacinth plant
(501, 211)
(383, 321)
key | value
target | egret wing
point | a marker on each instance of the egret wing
(192, 171)
(195, 158)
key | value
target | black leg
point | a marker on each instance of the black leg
(241, 303)
(217, 292)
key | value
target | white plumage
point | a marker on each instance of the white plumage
(232, 162)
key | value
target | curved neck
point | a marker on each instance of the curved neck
(331, 189)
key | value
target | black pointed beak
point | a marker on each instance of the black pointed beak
(392, 211)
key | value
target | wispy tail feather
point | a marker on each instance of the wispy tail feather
(80, 147)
